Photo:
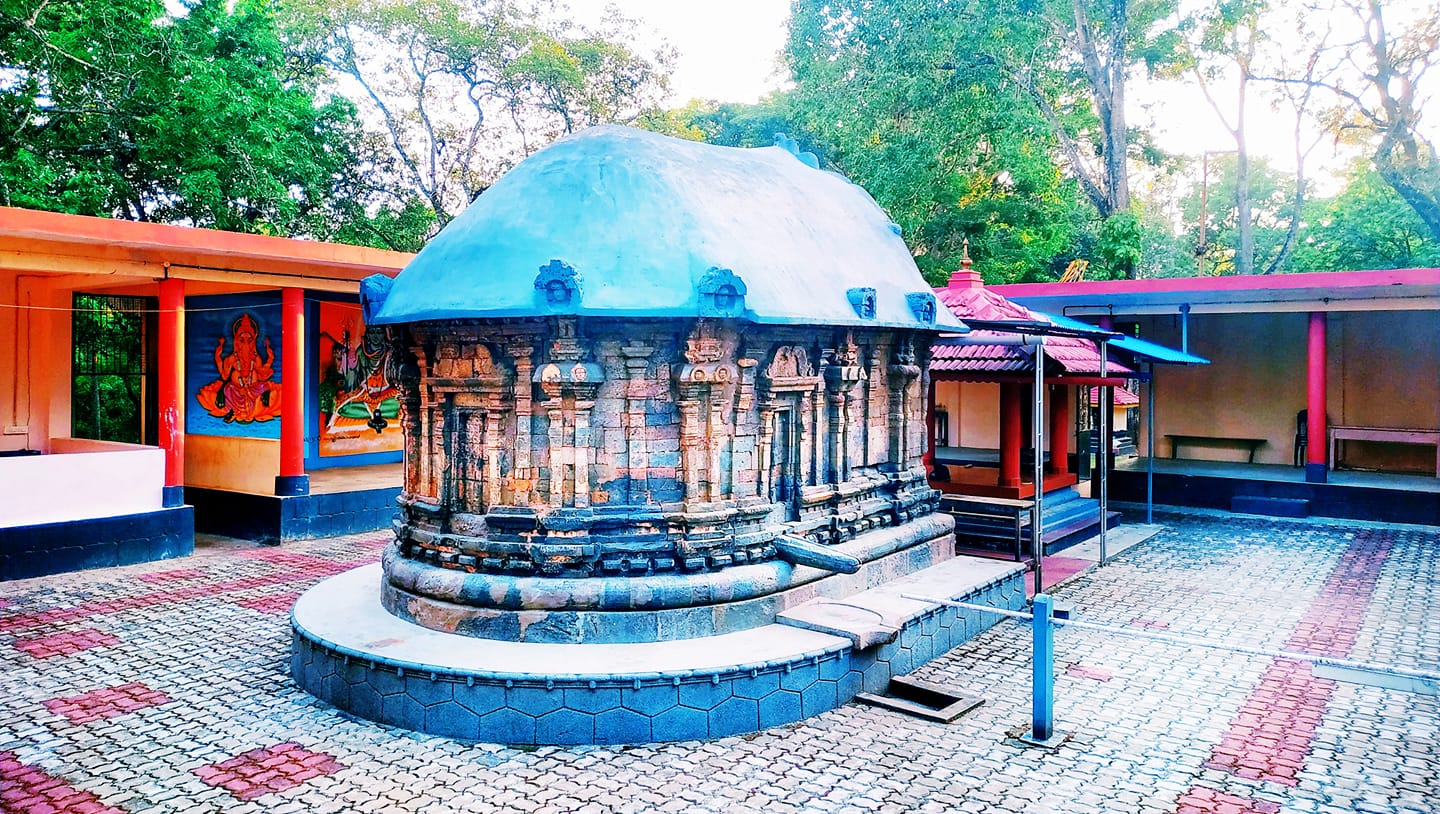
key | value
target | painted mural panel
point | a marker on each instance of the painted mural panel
(359, 407)
(232, 365)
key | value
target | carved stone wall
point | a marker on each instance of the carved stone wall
(585, 447)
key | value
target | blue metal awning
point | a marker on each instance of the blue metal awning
(1149, 351)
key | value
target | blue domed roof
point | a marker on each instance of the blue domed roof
(615, 221)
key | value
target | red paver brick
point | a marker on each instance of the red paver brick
(173, 575)
(1200, 800)
(106, 702)
(32, 789)
(271, 603)
(1085, 671)
(64, 644)
(1271, 735)
(262, 771)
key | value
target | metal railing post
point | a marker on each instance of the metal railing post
(1037, 510)
(1107, 401)
(1043, 701)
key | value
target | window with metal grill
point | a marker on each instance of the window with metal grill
(112, 392)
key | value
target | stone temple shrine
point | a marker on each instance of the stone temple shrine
(664, 413)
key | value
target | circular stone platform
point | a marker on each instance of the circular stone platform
(348, 651)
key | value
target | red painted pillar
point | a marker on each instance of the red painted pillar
(1010, 433)
(292, 479)
(170, 344)
(1060, 430)
(1318, 444)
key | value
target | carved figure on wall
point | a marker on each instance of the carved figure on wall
(790, 362)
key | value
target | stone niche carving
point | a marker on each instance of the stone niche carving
(549, 458)
(722, 293)
(557, 286)
(863, 301)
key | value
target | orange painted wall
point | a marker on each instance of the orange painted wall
(1384, 370)
(34, 361)
(980, 418)
(234, 464)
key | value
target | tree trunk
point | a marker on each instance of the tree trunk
(1245, 229)
(1427, 206)
(1117, 171)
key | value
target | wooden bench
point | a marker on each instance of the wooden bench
(1394, 435)
(992, 508)
(1176, 440)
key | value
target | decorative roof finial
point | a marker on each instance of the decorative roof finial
(965, 276)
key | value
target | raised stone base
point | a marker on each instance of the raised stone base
(644, 609)
(350, 652)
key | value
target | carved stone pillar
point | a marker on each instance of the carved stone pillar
(522, 474)
(835, 461)
(559, 453)
(904, 423)
(812, 438)
(493, 424)
(840, 379)
(580, 450)
(742, 484)
(691, 440)
(637, 361)
(763, 446)
(715, 438)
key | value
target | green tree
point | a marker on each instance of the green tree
(951, 149)
(1375, 79)
(1226, 41)
(1073, 60)
(1367, 226)
(119, 108)
(1268, 215)
(459, 91)
(733, 124)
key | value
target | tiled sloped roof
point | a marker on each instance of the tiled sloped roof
(1076, 356)
(1123, 397)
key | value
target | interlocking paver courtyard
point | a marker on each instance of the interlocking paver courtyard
(164, 688)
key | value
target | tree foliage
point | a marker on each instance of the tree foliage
(1367, 226)
(951, 149)
(1374, 78)
(459, 91)
(118, 108)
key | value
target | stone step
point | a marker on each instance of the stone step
(878, 615)
(1270, 506)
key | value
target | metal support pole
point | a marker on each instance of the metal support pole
(1042, 705)
(1106, 402)
(1037, 515)
(1185, 327)
(1150, 447)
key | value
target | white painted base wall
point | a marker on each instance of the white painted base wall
(80, 479)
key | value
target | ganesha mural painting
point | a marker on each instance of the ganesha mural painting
(232, 365)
